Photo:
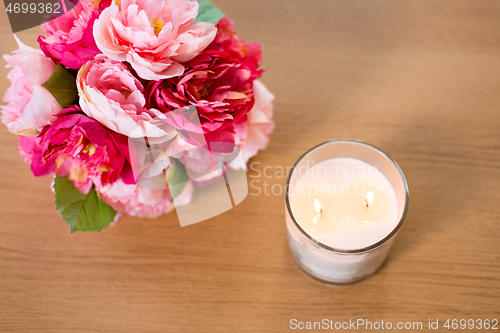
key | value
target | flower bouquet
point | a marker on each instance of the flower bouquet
(112, 77)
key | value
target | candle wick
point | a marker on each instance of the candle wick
(369, 199)
(317, 207)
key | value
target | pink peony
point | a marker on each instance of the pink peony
(250, 54)
(110, 94)
(253, 135)
(99, 154)
(154, 36)
(30, 106)
(136, 201)
(31, 151)
(205, 103)
(69, 40)
(27, 147)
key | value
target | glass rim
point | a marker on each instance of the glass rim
(343, 251)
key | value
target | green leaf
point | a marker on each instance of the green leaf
(208, 12)
(82, 212)
(177, 177)
(62, 85)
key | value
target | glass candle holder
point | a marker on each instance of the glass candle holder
(341, 232)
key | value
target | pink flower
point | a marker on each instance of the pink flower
(31, 152)
(214, 94)
(30, 106)
(154, 36)
(250, 54)
(69, 40)
(99, 154)
(110, 94)
(136, 201)
(254, 134)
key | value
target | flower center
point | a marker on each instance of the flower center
(206, 90)
(157, 25)
(89, 148)
(125, 94)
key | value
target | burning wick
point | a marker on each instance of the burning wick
(369, 199)
(319, 209)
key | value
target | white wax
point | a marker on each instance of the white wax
(341, 186)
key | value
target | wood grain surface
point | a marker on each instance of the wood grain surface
(419, 79)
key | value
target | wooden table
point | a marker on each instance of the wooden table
(419, 79)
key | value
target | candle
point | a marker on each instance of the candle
(345, 202)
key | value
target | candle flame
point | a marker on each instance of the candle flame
(369, 198)
(317, 207)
